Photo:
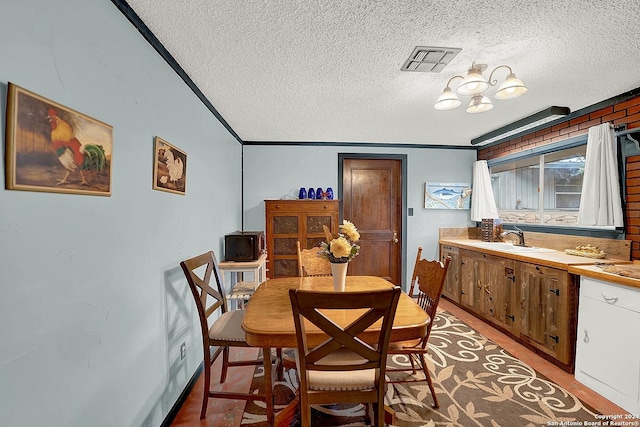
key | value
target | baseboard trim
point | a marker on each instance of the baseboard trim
(182, 398)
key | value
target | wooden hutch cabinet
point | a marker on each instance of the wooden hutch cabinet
(288, 221)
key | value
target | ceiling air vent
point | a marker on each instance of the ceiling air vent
(430, 59)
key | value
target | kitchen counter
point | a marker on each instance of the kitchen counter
(531, 292)
(550, 258)
(597, 273)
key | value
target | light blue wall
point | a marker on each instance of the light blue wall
(273, 172)
(93, 304)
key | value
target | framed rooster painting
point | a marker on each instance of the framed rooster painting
(170, 167)
(52, 148)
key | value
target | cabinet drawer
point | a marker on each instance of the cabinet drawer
(297, 206)
(450, 249)
(615, 295)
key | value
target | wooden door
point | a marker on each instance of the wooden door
(372, 200)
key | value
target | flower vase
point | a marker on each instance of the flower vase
(339, 273)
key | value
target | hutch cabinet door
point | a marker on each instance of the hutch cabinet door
(289, 221)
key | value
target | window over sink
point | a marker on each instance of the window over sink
(542, 188)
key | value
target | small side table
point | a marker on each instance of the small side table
(241, 289)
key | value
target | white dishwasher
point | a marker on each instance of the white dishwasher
(608, 341)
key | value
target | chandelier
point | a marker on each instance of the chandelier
(474, 85)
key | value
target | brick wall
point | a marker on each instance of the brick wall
(632, 213)
(627, 112)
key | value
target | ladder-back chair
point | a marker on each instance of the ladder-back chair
(310, 264)
(430, 277)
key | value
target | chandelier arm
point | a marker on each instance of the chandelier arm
(494, 82)
(451, 79)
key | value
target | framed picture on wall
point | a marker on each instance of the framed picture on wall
(447, 195)
(52, 148)
(170, 167)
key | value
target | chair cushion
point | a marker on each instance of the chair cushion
(228, 327)
(342, 380)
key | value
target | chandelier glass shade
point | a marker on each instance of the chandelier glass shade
(512, 87)
(448, 100)
(479, 104)
(474, 85)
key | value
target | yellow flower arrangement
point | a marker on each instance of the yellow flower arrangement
(342, 248)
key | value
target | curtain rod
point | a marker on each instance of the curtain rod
(627, 131)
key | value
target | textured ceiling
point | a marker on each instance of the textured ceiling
(329, 71)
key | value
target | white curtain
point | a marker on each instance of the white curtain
(600, 202)
(483, 204)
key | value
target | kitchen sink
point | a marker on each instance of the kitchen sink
(508, 247)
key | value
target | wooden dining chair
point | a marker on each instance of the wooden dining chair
(415, 271)
(342, 368)
(310, 264)
(430, 277)
(220, 327)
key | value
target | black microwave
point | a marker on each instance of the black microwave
(244, 246)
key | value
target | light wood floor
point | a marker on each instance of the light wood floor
(228, 413)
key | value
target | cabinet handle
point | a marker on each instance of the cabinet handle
(395, 237)
(487, 288)
(586, 336)
(555, 338)
(512, 317)
(555, 291)
(326, 207)
(277, 206)
(610, 300)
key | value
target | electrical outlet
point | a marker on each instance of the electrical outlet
(183, 351)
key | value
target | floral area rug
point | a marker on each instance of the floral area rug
(477, 382)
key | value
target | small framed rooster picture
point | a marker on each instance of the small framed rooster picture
(170, 167)
(52, 148)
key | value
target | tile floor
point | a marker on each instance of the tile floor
(228, 413)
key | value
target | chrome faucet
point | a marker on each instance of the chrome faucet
(516, 232)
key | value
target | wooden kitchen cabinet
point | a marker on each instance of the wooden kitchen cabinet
(488, 287)
(534, 304)
(451, 288)
(288, 221)
(547, 302)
